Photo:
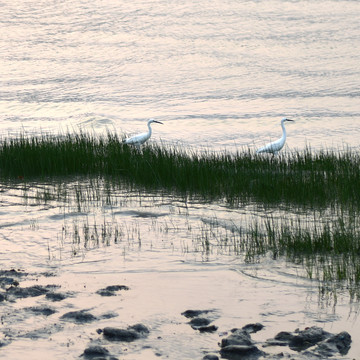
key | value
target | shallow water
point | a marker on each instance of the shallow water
(154, 244)
(220, 75)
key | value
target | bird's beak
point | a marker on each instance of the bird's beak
(158, 122)
(289, 120)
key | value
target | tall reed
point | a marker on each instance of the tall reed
(324, 178)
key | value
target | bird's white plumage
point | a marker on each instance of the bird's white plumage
(275, 146)
(141, 138)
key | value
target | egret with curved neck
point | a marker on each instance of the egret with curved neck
(275, 146)
(140, 139)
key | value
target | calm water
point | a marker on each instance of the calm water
(219, 74)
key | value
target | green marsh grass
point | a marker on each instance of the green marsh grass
(309, 180)
(325, 178)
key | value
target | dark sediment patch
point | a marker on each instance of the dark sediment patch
(79, 317)
(15, 292)
(41, 310)
(12, 272)
(112, 289)
(56, 296)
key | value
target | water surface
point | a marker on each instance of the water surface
(219, 74)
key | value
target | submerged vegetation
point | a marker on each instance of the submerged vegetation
(328, 248)
(303, 178)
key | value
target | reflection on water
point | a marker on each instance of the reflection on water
(219, 75)
(174, 254)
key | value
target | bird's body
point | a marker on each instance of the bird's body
(141, 138)
(275, 146)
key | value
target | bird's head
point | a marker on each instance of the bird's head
(286, 119)
(154, 121)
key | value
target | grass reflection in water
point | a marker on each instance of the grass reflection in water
(328, 248)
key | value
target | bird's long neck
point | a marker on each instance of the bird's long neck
(283, 129)
(149, 127)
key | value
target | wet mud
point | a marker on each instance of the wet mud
(237, 343)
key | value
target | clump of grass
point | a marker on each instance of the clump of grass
(327, 252)
(325, 179)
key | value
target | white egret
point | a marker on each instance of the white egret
(141, 138)
(275, 146)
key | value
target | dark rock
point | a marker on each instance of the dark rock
(115, 334)
(110, 290)
(79, 317)
(130, 334)
(53, 296)
(95, 352)
(2, 297)
(339, 343)
(238, 337)
(199, 321)
(253, 328)
(210, 357)
(117, 287)
(307, 338)
(284, 336)
(194, 313)
(38, 310)
(211, 328)
(140, 328)
(241, 351)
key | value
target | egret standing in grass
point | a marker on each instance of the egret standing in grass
(275, 146)
(140, 139)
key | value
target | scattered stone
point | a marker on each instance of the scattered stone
(2, 297)
(238, 337)
(307, 338)
(240, 351)
(95, 352)
(115, 334)
(339, 343)
(194, 313)
(327, 344)
(130, 334)
(199, 321)
(211, 328)
(38, 310)
(140, 328)
(110, 290)
(210, 357)
(253, 328)
(79, 317)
